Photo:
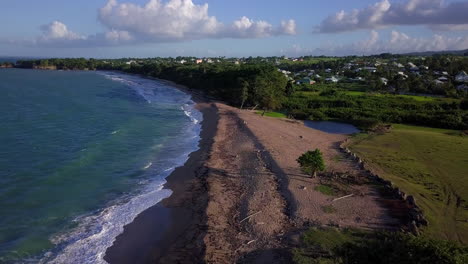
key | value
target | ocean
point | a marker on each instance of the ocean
(81, 155)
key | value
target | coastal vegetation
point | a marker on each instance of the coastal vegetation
(365, 92)
(331, 245)
(430, 164)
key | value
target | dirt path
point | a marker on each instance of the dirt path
(246, 213)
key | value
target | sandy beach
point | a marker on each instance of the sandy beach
(241, 198)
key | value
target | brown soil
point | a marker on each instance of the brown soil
(253, 171)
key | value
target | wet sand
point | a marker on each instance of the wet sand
(157, 231)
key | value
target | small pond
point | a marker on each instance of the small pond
(332, 127)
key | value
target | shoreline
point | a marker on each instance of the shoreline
(242, 198)
(152, 234)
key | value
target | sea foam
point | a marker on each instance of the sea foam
(96, 232)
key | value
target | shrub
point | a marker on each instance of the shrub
(311, 162)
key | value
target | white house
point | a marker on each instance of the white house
(332, 79)
(384, 80)
(443, 79)
(403, 74)
(461, 77)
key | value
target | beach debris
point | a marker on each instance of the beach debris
(343, 197)
(251, 241)
(250, 216)
(303, 188)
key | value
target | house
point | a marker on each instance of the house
(461, 77)
(198, 61)
(403, 75)
(332, 79)
(437, 82)
(305, 81)
(369, 69)
(358, 79)
(348, 66)
(130, 62)
(384, 80)
(328, 70)
(443, 79)
(183, 61)
(462, 87)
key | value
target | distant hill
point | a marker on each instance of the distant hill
(430, 53)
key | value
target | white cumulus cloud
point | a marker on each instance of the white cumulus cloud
(154, 22)
(432, 13)
(176, 20)
(398, 42)
(57, 31)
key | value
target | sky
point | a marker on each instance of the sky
(238, 28)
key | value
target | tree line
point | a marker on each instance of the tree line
(260, 84)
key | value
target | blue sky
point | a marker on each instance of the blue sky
(138, 28)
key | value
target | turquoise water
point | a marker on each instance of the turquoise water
(81, 154)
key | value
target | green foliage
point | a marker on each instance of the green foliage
(311, 162)
(290, 89)
(401, 248)
(366, 110)
(349, 246)
(272, 114)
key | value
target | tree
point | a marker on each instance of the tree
(289, 89)
(311, 162)
(245, 92)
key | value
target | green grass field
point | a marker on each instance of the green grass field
(430, 164)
